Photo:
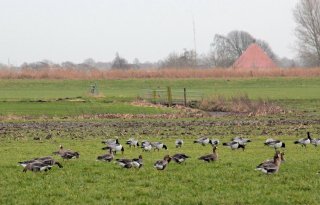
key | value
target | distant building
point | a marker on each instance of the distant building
(254, 58)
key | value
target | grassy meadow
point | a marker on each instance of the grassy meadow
(230, 180)
(19, 97)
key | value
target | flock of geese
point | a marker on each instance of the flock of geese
(112, 146)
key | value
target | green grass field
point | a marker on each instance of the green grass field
(15, 95)
(230, 180)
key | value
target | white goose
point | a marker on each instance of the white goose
(179, 143)
(304, 141)
(132, 142)
(146, 146)
(274, 143)
(315, 142)
(158, 145)
(203, 141)
(115, 148)
(234, 145)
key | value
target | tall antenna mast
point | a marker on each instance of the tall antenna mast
(194, 41)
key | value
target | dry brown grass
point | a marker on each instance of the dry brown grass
(61, 73)
(240, 104)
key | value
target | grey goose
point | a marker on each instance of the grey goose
(210, 157)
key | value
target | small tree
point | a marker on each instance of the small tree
(119, 62)
(186, 59)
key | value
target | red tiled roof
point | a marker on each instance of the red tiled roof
(254, 57)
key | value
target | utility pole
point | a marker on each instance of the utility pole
(194, 41)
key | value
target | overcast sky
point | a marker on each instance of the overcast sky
(74, 30)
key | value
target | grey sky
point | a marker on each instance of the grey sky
(74, 30)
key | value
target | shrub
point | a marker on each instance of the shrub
(239, 104)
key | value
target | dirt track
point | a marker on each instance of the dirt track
(162, 128)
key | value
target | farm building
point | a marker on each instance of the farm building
(254, 57)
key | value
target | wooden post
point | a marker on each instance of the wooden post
(185, 96)
(154, 96)
(169, 96)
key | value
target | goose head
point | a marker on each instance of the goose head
(214, 148)
(167, 158)
(165, 147)
(283, 145)
(122, 150)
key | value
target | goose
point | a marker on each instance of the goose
(158, 146)
(137, 162)
(304, 141)
(132, 142)
(315, 142)
(45, 160)
(124, 163)
(162, 164)
(210, 157)
(115, 148)
(234, 145)
(37, 166)
(179, 143)
(106, 157)
(129, 163)
(70, 155)
(203, 141)
(241, 140)
(271, 167)
(25, 163)
(67, 154)
(144, 142)
(214, 142)
(274, 143)
(110, 141)
(179, 158)
(146, 146)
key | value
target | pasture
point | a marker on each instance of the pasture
(230, 180)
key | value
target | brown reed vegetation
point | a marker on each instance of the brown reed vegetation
(240, 104)
(64, 73)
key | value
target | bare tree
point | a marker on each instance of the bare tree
(186, 59)
(119, 62)
(226, 49)
(307, 17)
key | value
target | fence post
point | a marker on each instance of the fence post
(154, 96)
(169, 96)
(185, 96)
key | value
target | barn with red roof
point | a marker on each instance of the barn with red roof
(254, 58)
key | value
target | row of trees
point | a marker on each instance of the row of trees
(225, 49)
